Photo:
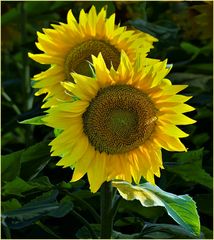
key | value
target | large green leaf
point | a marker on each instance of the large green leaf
(43, 205)
(27, 163)
(16, 187)
(10, 204)
(31, 211)
(137, 208)
(10, 166)
(189, 167)
(181, 208)
(149, 231)
(167, 231)
(34, 159)
(66, 205)
(42, 183)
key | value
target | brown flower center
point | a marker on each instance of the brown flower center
(77, 59)
(119, 119)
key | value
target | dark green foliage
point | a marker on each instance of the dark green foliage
(38, 199)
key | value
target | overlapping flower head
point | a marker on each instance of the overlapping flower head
(68, 46)
(119, 122)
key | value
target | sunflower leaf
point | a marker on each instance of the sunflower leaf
(181, 208)
(32, 211)
(34, 159)
(16, 187)
(190, 167)
(10, 166)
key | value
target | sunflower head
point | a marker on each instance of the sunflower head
(68, 47)
(120, 122)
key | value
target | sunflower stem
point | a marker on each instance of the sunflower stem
(106, 211)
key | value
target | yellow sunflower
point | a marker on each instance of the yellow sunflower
(120, 122)
(68, 47)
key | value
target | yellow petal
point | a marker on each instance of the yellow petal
(85, 88)
(171, 130)
(92, 20)
(177, 119)
(110, 25)
(74, 107)
(102, 72)
(82, 165)
(125, 69)
(70, 17)
(169, 143)
(73, 154)
(175, 98)
(100, 25)
(46, 59)
(97, 172)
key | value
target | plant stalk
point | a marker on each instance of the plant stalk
(106, 211)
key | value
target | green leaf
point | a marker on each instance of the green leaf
(72, 185)
(84, 233)
(46, 197)
(154, 29)
(181, 208)
(10, 166)
(31, 211)
(190, 168)
(66, 205)
(127, 221)
(34, 159)
(10, 204)
(57, 132)
(42, 183)
(164, 231)
(190, 48)
(208, 234)
(137, 208)
(34, 121)
(19, 186)
(16, 187)
(25, 163)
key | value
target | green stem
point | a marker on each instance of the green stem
(106, 211)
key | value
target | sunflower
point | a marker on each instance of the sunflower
(119, 122)
(68, 47)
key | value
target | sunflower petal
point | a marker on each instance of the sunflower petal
(97, 172)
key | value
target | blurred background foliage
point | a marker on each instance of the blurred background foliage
(37, 199)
